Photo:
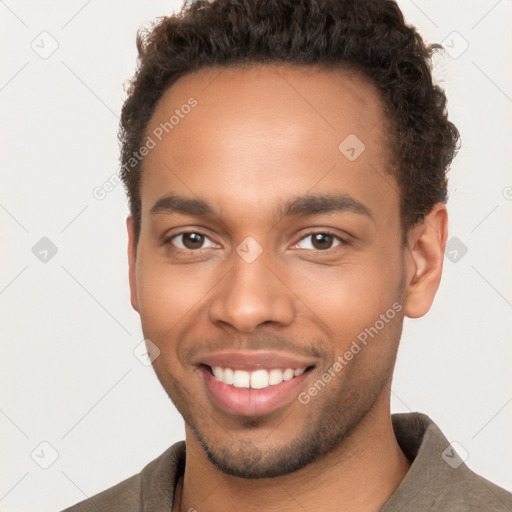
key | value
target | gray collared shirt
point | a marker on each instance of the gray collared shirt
(438, 480)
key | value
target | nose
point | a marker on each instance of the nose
(251, 295)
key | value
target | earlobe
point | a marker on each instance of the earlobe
(132, 258)
(424, 261)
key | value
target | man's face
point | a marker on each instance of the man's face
(273, 277)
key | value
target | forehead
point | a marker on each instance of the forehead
(259, 133)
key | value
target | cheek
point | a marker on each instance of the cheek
(170, 294)
(348, 297)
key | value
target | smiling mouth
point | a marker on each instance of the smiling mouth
(260, 378)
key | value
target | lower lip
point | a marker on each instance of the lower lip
(252, 402)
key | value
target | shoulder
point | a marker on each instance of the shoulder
(155, 483)
(124, 496)
(484, 495)
(470, 492)
(438, 478)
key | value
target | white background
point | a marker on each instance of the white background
(67, 370)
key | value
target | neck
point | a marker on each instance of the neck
(359, 475)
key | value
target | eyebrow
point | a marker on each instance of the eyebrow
(299, 206)
(324, 203)
(178, 204)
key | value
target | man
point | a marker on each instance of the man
(285, 162)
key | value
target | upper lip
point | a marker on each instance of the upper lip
(251, 360)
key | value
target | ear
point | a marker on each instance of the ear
(132, 257)
(424, 257)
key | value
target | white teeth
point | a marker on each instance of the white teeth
(275, 377)
(288, 374)
(218, 371)
(228, 377)
(258, 379)
(241, 379)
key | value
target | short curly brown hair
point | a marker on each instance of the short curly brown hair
(368, 35)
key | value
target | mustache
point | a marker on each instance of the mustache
(263, 341)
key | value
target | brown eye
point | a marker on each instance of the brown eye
(320, 241)
(193, 240)
(189, 241)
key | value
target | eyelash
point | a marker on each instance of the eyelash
(343, 241)
(168, 241)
